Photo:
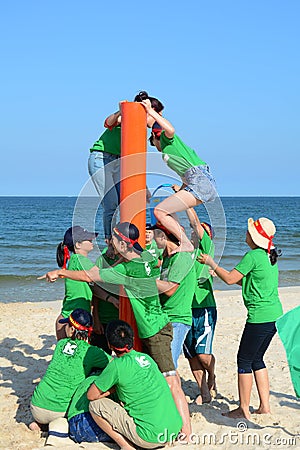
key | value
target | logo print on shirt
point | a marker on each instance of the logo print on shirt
(147, 268)
(142, 361)
(69, 349)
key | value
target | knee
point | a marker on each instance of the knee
(244, 365)
(159, 213)
(95, 407)
(258, 365)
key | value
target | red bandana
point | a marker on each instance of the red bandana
(125, 238)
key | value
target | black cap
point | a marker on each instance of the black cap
(80, 317)
(77, 234)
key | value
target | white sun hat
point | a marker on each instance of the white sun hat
(58, 435)
(262, 232)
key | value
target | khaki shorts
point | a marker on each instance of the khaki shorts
(159, 348)
(44, 416)
(120, 421)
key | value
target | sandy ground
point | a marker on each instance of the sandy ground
(27, 343)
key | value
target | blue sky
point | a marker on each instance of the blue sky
(227, 72)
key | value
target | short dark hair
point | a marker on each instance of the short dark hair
(119, 335)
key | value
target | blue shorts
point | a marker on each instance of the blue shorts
(82, 428)
(180, 331)
(200, 337)
(200, 183)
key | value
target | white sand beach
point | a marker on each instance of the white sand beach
(27, 343)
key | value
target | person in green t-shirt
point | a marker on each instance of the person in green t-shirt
(79, 242)
(135, 273)
(176, 286)
(198, 184)
(198, 343)
(104, 162)
(82, 427)
(257, 272)
(152, 248)
(72, 361)
(143, 391)
(105, 299)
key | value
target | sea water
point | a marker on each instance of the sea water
(31, 228)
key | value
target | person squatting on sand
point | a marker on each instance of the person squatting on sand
(104, 162)
(149, 417)
(198, 184)
(154, 328)
(257, 272)
(79, 242)
(72, 361)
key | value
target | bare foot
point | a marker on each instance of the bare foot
(186, 247)
(211, 383)
(34, 426)
(262, 410)
(237, 413)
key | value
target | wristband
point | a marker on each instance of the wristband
(107, 297)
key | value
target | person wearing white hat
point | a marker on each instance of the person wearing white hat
(257, 273)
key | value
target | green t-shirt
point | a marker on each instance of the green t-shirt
(72, 361)
(178, 156)
(80, 403)
(260, 287)
(179, 268)
(204, 295)
(139, 282)
(109, 141)
(106, 310)
(78, 294)
(145, 394)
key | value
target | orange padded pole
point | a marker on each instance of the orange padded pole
(133, 184)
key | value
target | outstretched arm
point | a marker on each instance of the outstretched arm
(232, 277)
(76, 275)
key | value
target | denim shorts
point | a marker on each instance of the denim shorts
(200, 337)
(82, 428)
(200, 183)
(180, 330)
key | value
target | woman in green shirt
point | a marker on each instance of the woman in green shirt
(198, 184)
(74, 249)
(257, 272)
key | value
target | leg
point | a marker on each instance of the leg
(244, 386)
(180, 201)
(263, 388)
(108, 429)
(260, 370)
(181, 403)
(111, 198)
(96, 171)
(200, 376)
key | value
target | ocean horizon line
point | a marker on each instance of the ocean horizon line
(95, 195)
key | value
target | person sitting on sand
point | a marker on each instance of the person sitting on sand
(257, 272)
(149, 417)
(79, 242)
(198, 184)
(136, 274)
(82, 427)
(72, 361)
(198, 343)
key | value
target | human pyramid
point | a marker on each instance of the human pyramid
(97, 387)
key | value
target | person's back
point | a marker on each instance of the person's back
(141, 388)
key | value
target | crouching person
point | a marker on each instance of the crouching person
(149, 418)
